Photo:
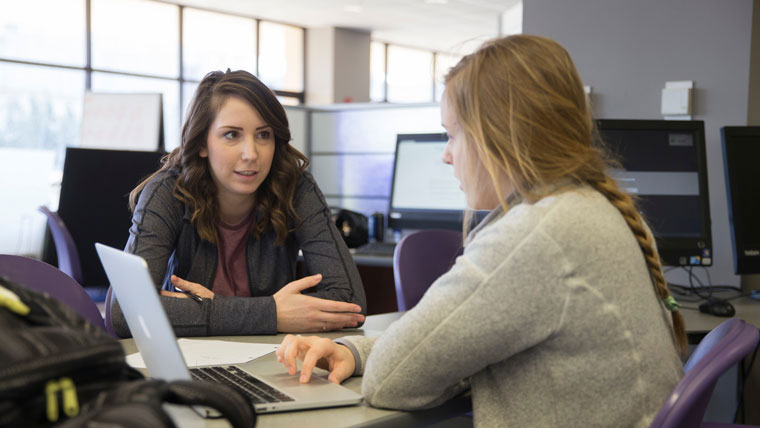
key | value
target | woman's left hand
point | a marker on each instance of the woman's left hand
(188, 288)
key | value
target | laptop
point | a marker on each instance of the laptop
(273, 391)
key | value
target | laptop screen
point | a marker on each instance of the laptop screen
(424, 192)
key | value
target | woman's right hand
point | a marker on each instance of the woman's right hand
(299, 313)
(319, 352)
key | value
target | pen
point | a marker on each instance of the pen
(195, 297)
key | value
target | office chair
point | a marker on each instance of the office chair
(723, 347)
(419, 259)
(65, 248)
(40, 276)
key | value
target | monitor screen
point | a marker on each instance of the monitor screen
(741, 152)
(664, 166)
(94, 201)
(424, 192)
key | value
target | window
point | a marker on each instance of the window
(377, 71)
(25, 31)
(40, 112)
(410, 75)
(110, 82)
(215, 41)
(40, 107)
(135, 36)
(281, 58)
(134, 47)
(443, 64)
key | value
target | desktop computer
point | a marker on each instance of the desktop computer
(664, 167)
(741, 153)
(94, 202)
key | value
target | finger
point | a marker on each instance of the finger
(173, 294)
(191, 287)
(291, 356)
(302, 284)
(342, 320)
(309, 362)
(327, 305)
(280, 352)
(340, 373)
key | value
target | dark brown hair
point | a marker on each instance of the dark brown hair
(522, 106)
(195, 187)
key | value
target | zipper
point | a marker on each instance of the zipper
(69, 399)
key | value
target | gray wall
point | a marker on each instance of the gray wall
(627, 50)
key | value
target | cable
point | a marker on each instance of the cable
(744, 377)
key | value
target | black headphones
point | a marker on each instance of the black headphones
(353, 227)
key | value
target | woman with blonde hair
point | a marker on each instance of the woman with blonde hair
(557, 312)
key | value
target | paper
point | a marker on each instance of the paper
(212, 352)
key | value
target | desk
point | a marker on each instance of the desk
(699, 324)
(361, 415)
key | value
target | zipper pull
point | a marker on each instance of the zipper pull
(70, 401)
(51, 392)
(11, 301)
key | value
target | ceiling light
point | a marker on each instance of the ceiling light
(436, 1)
(355, 8)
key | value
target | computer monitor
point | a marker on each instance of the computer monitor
(94, 201)
(424, 192)
(741, 154)
(664, 165)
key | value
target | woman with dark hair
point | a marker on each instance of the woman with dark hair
(223, 219)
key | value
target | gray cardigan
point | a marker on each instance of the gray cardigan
(162, 234)
(550, 315)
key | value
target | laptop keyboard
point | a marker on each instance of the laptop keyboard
(257, 391)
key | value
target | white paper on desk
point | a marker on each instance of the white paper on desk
(212, 352)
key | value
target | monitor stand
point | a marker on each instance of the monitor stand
(751, 283)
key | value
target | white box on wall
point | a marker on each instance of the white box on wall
(676, 98)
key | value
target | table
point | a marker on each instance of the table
(361, 415)
(699, 324)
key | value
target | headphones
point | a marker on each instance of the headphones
(353, 227)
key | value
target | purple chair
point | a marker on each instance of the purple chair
(723, 347)
(65, 248)
(419, 259)
(107, 320)
(42, 277)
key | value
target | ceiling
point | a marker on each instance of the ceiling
(454, 26)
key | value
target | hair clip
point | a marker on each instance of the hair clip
(671, 304)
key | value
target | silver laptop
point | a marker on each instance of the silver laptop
(273, 391)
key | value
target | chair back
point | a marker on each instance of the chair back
(107, 315)
(44, 278)
(65, 248)
(723, 347)
(419, 259)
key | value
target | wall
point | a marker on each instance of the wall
(353, 146)
(627, 50)
(337, 66)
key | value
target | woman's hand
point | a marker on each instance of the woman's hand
(188, 288)
(316, 352)
(298, 313)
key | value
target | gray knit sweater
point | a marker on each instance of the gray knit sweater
(551, 317)
(163, 235)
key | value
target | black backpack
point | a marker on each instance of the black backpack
(55, 367)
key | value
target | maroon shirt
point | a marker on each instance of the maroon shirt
(231, 277)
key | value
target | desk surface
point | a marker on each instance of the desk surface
(698, 323)
(361, 415)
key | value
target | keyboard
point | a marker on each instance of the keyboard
(257, 391)
(376, 248)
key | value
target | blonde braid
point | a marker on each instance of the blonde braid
(623, 202)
